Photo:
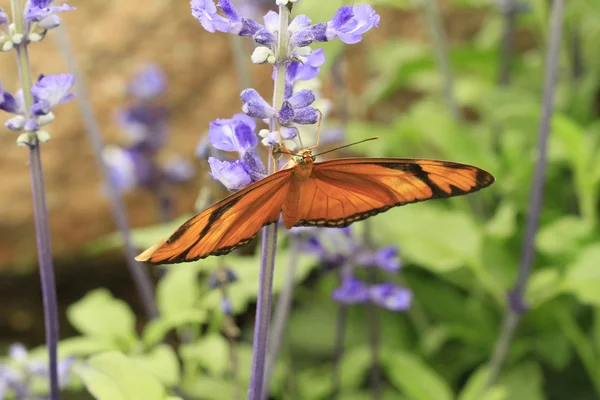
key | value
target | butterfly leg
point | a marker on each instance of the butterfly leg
(318, 131)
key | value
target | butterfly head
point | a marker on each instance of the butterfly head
(305, 157)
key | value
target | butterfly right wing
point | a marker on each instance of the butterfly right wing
(226, 225)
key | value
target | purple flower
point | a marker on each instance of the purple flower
(151, 82)
(352, 291)
(385, 258)
(223, 276)
(255, 106)
(206, 12)
(307, 68)
(235, 134)
(390, 296)
(129, 167)
(178, 169)
(41, 12)
(50, 91)
(295, 109)
(3, 21)
(145, 125)
(350, 22)
(9, 103)
(232, 174)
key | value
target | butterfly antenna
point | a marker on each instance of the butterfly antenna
(348, 145)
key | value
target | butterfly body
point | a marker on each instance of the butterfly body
(332, 193)
(301, 172)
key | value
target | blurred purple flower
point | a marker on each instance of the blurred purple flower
(148, 84)
(352, 291)
(222, 276)
(145, 123)
(3, 20)
(390, 296)
(385, 258)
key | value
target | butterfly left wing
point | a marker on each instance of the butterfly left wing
(342, 191)
(226, 225)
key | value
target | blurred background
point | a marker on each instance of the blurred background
(453, 79)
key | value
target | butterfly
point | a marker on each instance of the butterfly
(333, 193)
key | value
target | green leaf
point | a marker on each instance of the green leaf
(210, 388)
(354, 366)
(247, 269)
(178, 290)
(475, 388)
(524, 382)
(161, 362)
(158, 328)
(504, 222)
(562, 236)
(85, 345)
(101, 315)
(544, 285)
(210, 352)
(112, 376)
(414, 378)
(437, 239)
(583, 276)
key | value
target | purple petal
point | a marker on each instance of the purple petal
(250, 27)
(264, 37)
(390, 296)
(235, 21)
(271, 19)
(3, 17)
(306, 115)
(121, 167)
(36, 13)
(232, 174)
(149, 83)
(254, 165)
(50, 91)
(205, 11)
(387, 259)
(302, 98)
(350, 22)
(236, 134)
(302, 38)
(18, 352)
(9, 103)
(255, 106)
(352, 291)
(286, 114)
(300, 22)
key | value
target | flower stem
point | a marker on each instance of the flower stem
(138, 272)
(269, 235)
(434, 23)
(509, 16)
(374, 341)
(338, 349)
(282, 312)
(42, 228)
(515, 306)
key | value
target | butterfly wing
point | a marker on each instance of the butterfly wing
(226, 225)
(343, 191)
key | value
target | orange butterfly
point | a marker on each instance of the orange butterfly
(332, 193)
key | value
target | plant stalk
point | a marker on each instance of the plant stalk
(269, 235)
(515, 305)
(139, 273)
